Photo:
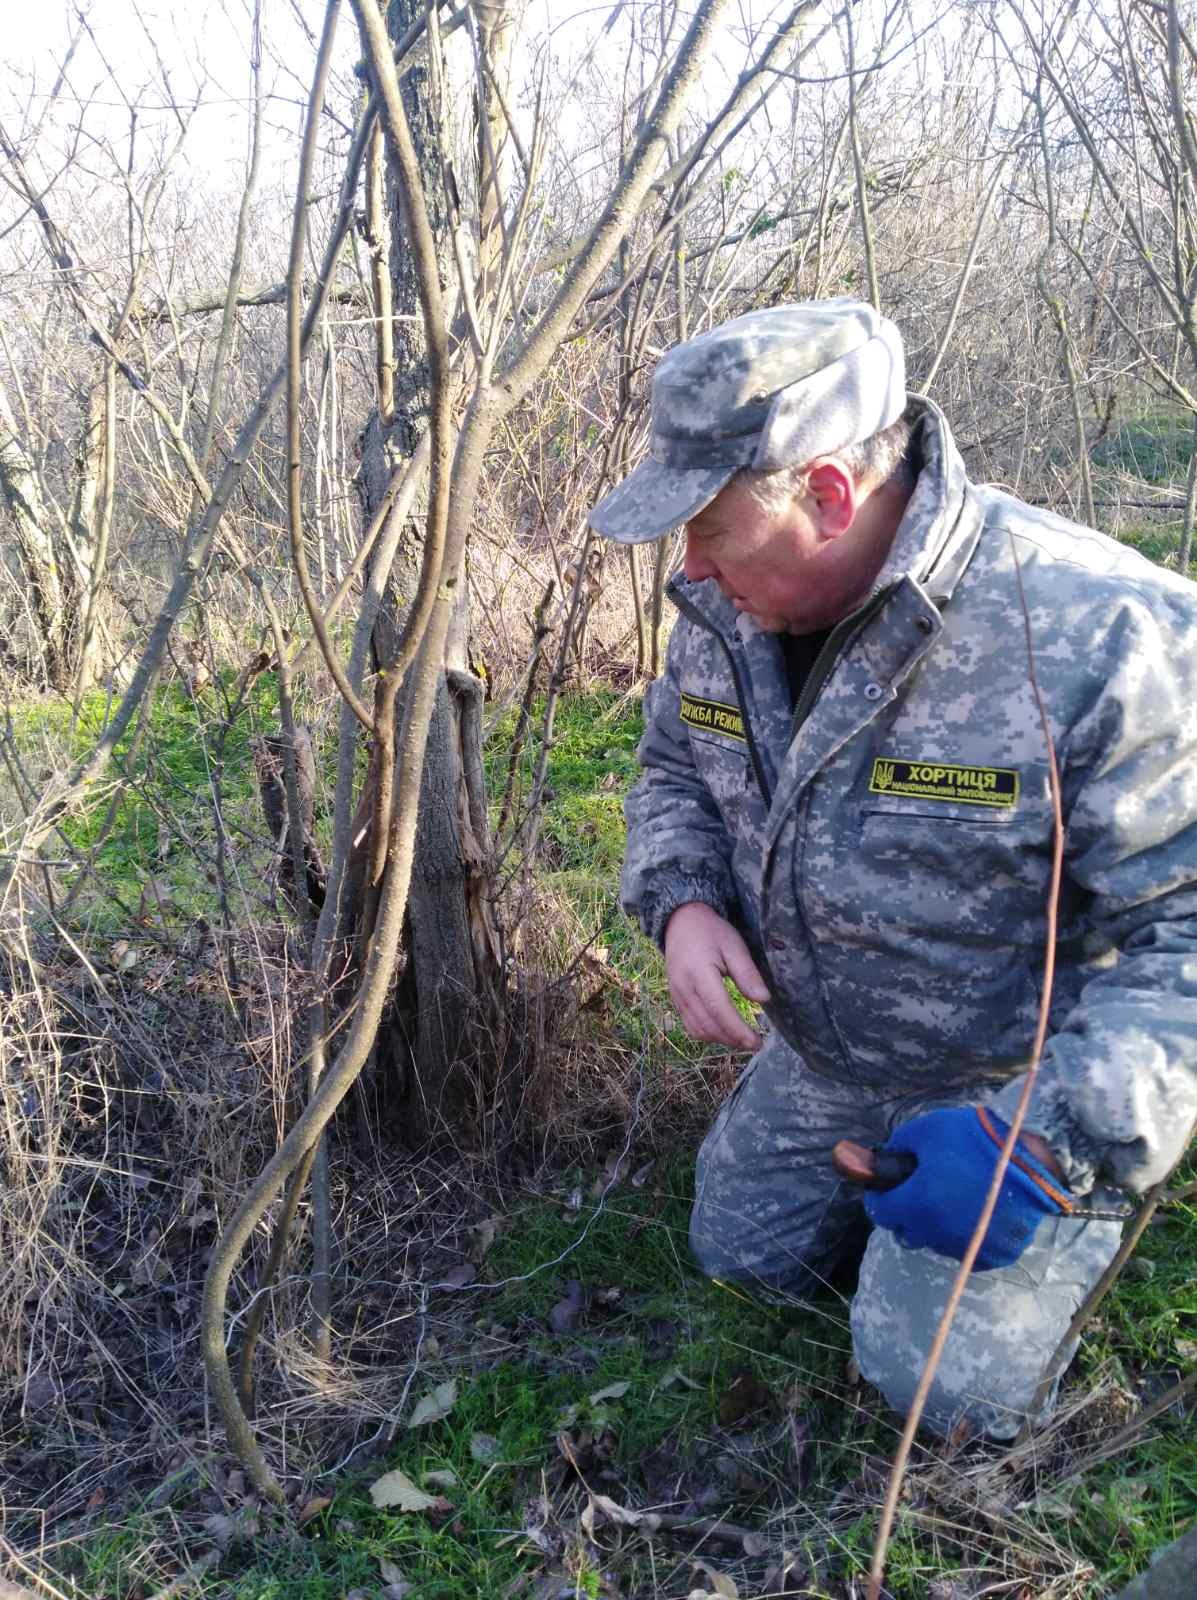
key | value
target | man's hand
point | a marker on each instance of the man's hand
(701, 949)
(937, 1207)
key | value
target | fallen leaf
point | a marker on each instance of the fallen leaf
(613, 1391)
(720, 1583)
(484, 1447)
(602, 1507)
(566, 1312)
(442, 1478)
(484, 1236)
(676, 1375)
(609, 1176)
(313, 1507)
(1186, 1349)
(458, 1277)
(642, 1174)
(122, 956)
(743, 1395)
(223, 1529)
(396, 1489)
(436, 1405)
(787, 1577)
(389, 1571)
(536, 1518)
(754, 1544)
(40, 1391)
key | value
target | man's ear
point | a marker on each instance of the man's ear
(833, 490)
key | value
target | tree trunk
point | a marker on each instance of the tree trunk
(445, 1031)
(21, 492)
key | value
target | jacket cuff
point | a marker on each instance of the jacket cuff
(1049, 1115)
(675, 889)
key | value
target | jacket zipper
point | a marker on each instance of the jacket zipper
(826, 659)
(754, 754)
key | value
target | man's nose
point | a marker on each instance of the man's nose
(697, 566)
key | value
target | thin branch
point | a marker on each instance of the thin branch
(902, 1455)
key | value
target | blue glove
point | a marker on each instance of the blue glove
(937, 1207)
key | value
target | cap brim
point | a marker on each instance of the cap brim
(655, 498)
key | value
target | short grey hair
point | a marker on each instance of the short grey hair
(887, 457)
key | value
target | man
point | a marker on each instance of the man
(845, 809)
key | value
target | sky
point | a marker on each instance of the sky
(203, 46)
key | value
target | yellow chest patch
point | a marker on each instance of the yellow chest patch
(935, 780)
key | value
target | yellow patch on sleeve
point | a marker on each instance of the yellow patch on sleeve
(712, 716)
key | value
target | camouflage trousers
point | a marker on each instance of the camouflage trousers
(771, 1212)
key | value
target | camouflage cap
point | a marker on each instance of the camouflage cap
(770, 389)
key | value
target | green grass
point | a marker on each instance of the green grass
(1155, 447)
(674, 1340)
(667, 1347)
(643, 1379)
(163, 824)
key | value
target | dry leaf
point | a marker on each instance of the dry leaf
(566, 1312)
(442, 1478)
(613, 1391)
(122, 956)
(605, 1507)
(743, 1395)
(458, 1277)
(484, 1236)
(719, 1582)
(754, 1544)
(313, 1507)
(434, 1407)
(389, 1572)
(221, 1528)
(788, 1577)
(676, 1375)
(396, 1489)
(484, 1447)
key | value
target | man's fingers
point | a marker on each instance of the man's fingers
(742, 970)
(707, 1013)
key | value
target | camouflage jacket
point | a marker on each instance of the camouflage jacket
(885, 847)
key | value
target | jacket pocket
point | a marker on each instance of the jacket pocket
(724, 768)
